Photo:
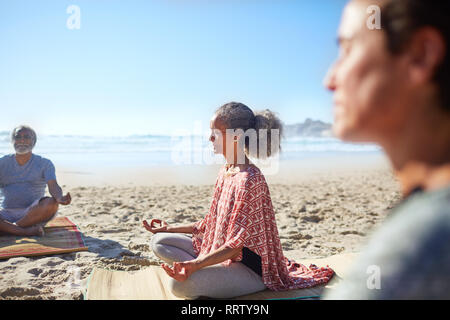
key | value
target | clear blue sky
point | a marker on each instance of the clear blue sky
(153, 67)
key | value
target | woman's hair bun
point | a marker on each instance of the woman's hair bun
(269, 122)
(266, 125)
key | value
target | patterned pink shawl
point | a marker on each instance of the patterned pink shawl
(241, 215)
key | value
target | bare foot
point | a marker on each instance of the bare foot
(13, 229)
(34, 231)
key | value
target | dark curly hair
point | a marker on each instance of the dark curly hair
(236, 115)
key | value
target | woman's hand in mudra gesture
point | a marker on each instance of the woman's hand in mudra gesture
(152, 226)
(180, 271)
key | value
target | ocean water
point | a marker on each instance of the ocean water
(79, 152)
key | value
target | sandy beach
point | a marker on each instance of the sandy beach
(322, 207)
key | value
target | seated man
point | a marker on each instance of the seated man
(23, 179)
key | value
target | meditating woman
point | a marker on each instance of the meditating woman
(235, 250)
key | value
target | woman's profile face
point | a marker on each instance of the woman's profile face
(218, 136)
(225, 140)
(368, 83)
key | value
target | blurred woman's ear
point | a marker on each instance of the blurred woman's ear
(426, 53)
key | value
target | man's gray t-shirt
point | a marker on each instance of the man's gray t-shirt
(408, 257)
(22, 185)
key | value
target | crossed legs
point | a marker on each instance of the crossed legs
(217, 281)
(42, 212)
(31, 223)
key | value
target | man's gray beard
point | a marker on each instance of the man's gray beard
(23, 149)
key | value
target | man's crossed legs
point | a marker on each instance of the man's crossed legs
(28, 221)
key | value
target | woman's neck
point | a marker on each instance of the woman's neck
(237, 158)
(420, 154)
(238, 164)
(421, 175)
